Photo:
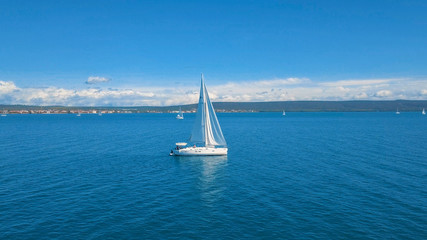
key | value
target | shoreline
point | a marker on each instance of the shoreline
(278, 106)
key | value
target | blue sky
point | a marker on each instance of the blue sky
(146, 49)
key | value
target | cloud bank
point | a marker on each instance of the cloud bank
(288, 89)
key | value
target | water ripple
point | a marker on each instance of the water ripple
(306, 176)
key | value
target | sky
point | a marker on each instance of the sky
(136, 53)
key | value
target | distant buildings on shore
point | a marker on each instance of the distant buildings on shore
(64, 111)
(290, 106)
(104, 111)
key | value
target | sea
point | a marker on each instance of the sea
(301, 176)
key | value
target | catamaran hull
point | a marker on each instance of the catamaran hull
(200, 151)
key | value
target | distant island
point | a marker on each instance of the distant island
(288, 106)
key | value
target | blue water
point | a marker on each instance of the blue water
(302, 176)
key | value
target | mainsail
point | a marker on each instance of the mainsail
(180, 115)
(206, 129)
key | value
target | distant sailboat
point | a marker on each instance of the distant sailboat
(423, 112)
(180, 114)
(397, 111)
(4, 114)
(78, 114)
(206, 136)
(284, 113)
(99, 113)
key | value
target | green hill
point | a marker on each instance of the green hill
(289, 106)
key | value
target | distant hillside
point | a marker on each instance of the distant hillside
(325, 106)
(289, 106)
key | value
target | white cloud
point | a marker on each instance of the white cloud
(7, 87)
(289, 89)
(96, 79)
(363, 82)
(361, 96)
(383, 93)
(281, 82)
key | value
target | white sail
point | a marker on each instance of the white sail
(206, 129)
(180, 115)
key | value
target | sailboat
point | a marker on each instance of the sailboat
(99, 113)
(397, 111)
(206, 137)
(78, 114)
(423, 112)
(180, 114)
(284, 113)
(4, 113)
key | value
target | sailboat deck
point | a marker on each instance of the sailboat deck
(201, 151)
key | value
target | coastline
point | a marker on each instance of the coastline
(232, 107)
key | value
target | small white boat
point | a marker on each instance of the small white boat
(284, 113)
(180, 114)
(99, 113)
(206, 138)
(78, 114)
(397, 111)
(4, 114)
(423, 112)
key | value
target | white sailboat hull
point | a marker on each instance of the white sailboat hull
(200, 151)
